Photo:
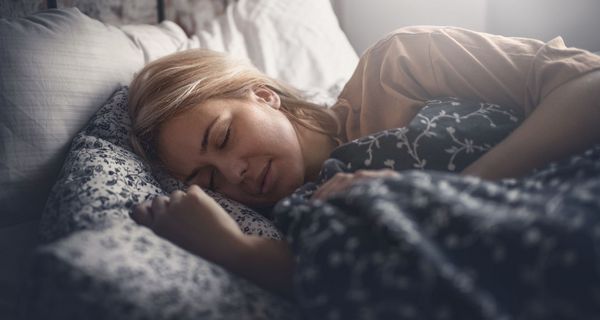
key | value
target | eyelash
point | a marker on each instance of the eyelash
(224, 143)
(211, 181)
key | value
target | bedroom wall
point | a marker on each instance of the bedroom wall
(365, 21)
(575, 20)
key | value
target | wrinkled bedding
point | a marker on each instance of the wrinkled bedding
(96, 263)
(436, 245)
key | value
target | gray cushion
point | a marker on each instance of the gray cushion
(56, 69)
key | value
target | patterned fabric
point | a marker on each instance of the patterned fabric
(102, 179)
(127, 272)
(434, 245)
(447, 135)
(96, 258)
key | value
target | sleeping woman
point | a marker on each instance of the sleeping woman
(358, 243)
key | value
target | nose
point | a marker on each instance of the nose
(234, 169)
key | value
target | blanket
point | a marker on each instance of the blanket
(436, 245)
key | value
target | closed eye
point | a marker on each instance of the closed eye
(224, 143)
(213, 172)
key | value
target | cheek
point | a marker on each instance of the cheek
(276, 120)
(276, 135)
(287, 136)
(281, 129)
(290, 169)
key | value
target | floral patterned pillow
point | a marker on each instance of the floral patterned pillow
(448, 134)
(102, 179)
(96, 263)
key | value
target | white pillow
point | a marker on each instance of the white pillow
(297, 41)
(156, 41)
(57, 67)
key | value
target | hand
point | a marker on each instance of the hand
(194, 221)
(342, 181)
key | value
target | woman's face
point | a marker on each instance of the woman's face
(246, 149)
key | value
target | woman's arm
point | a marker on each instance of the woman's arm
(267, 262)
(565, 122)
(197, 223)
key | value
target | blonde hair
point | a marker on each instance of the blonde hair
(178, 82)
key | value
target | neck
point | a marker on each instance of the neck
(316, 148)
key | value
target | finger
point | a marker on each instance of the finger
(365, 173)
(322, 190)
(340, 186)
(196, 191)
(317, 194)
(177, 195)
(338, 183)
(159, 203)
(370, 173)
(198, 195)
(158, 208)
(382, 173)
(142, 213)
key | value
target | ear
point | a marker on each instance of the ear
(268, 96)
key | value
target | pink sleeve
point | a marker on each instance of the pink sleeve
(398, 74)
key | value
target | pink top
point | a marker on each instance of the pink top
(398, 74)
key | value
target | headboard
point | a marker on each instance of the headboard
(188, 14)
(160, 8)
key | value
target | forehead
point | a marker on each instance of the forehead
(196, 118)
(179, 138)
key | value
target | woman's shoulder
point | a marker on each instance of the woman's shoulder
(409, 32)
(431, 33)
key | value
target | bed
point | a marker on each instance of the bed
(74, 253)
(61, 71)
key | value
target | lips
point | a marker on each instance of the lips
(264, 185)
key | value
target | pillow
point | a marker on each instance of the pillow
(102, 178)
(447, 134)
(126, 272)
(297, 41)
(55, 70)
(117, 268)
(156, 41)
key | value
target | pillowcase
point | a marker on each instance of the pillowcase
(126, 272)
(102, 178)
(297, 41)
(97, 258)
(447, 134)
(156, 41)
(55, 70)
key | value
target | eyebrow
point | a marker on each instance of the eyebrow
(203, 147)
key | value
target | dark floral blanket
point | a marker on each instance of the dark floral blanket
(436, 245)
